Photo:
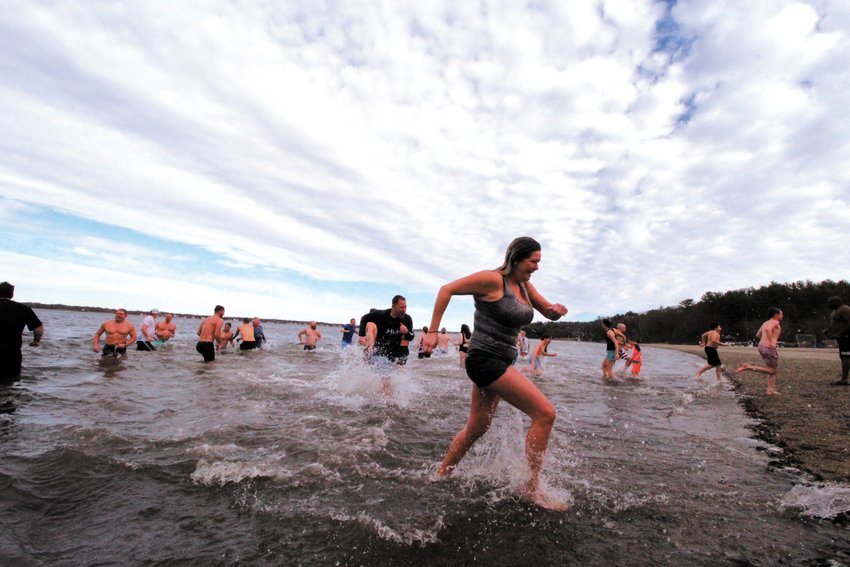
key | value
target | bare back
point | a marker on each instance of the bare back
(769, 333)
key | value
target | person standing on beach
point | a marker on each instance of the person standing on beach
(710, 340)
(768, 335)
(148, 332)
(14, 317)
(309, 336)
(120, 334)
(505, 300)
(839, 329)
(209, 332)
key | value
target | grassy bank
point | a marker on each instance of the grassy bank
(810, 419)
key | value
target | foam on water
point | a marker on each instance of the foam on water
(819, 500)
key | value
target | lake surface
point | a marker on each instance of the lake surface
(286, 457)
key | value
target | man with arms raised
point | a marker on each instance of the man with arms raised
(768, 335)
(209, 332)
(14, 317)
(839, 329)
(120, 334)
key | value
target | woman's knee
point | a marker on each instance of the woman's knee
(546, 414)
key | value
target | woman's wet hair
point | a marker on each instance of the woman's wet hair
(518, 250)
(464, 330)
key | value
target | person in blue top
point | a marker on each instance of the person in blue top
(348, 331)
(505, 300)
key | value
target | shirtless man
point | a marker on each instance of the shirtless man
(443, 341)
(710, 340)
(309, 336)
(839, 329)
(540, 351)
(209, 332)
(148, 334)
(117, 333)
(165, 330)
(226, 338)
(768, 335)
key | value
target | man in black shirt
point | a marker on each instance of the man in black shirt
(14, 317)
(388, 332)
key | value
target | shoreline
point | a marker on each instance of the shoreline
(809, 421)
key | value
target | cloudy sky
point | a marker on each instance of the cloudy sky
(309, 160)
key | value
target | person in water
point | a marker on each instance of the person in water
(611, 349)
(148, 334)
(537, 355)
(505, 300)
(348, 331)
(768, 335)
(246, 331)
(259, 333)
(637, 360)
(521, 347)
(310, 336)
(165, 330)
(209, 332)
(226, 338)
(386, 333)
(120, 334)
(443, 340)
(463, 344)
(710, 340)
(14, 317)
(421, 347)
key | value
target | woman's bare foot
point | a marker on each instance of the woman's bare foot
(773, 393)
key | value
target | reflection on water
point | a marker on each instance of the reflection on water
(292, 457)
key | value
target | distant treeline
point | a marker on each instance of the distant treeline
(741, 312)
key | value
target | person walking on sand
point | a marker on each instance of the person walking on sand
(839, 329)
(768, 335)
(14, 317)
(120, 334)
(505, 300)
(309, 336)
(710, 340)
(209, 332)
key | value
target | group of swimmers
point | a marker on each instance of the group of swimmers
(619, 347)
(215, 335)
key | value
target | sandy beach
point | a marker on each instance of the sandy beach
(810, 420)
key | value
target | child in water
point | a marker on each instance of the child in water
(636, 360)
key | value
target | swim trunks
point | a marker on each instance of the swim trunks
(424, 355)
(309, 347)
(463, 348)
(113, 350)
(145, 345)
(712, 357)
(484, 369)
(441, 350)
(770, 356)
(610, 355)
(247, 345)
(207, 350)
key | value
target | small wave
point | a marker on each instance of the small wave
(826, 500)
(405, 535)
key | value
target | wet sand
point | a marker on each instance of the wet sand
(810, 420)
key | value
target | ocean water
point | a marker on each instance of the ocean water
(286, 457)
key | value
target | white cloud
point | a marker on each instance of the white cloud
(406, 144)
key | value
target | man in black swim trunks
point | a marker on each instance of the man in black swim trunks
(387, 333)
(14, 317)
(710, 340)
(839, 329)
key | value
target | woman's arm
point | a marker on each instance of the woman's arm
(552, 311)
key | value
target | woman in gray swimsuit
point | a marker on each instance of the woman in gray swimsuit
(504, 301)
